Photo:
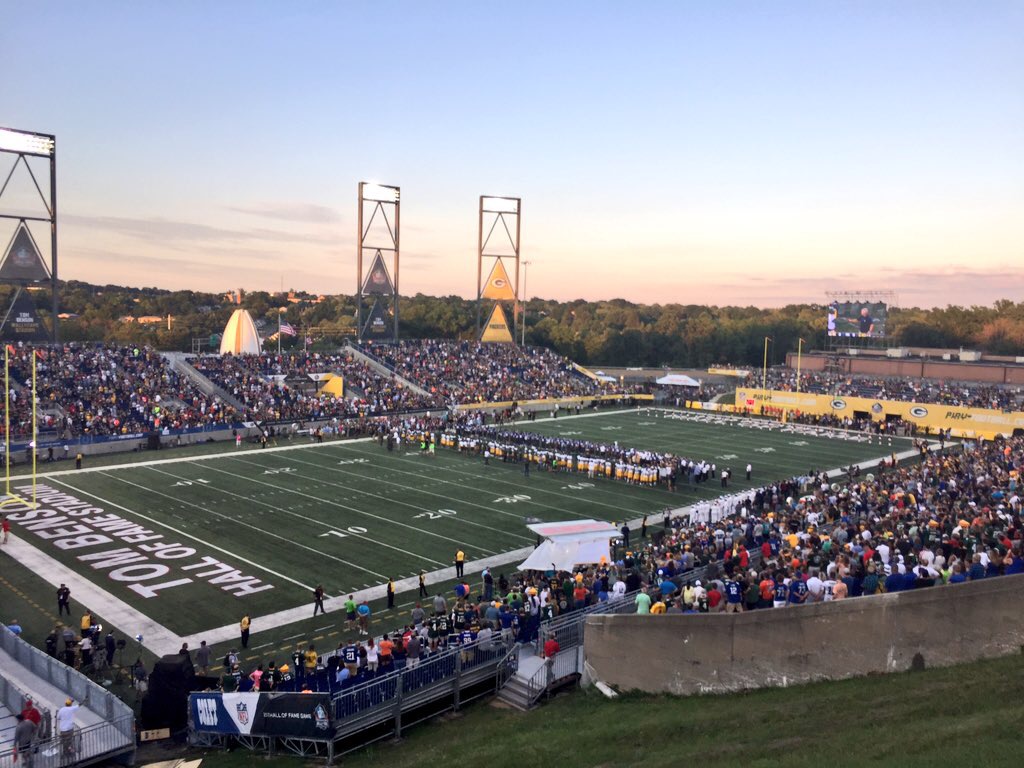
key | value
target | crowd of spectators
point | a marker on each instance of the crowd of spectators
(97, 390)
(283, 387)
(940, 391)
(952, 517)
(461, 372)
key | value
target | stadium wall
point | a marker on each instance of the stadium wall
(929, 417)
(988, 373)
(718, 653)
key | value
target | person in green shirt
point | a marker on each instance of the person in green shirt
(643, 603)
(350, 612)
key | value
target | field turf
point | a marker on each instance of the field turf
(350, 514)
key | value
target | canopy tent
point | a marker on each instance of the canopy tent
(568, 544)
(677, 380)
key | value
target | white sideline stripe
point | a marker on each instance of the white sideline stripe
(113, 609)
(180, 459)
(302, 612)
(182, 533)
(250, 449)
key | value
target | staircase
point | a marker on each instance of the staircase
(382, 369)
(184, 368)
(516, 694)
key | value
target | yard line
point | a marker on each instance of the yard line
(359, 512)
(307, 519)
(291, 637)
(407, 488)
(205, 543)
(321, 629)
(478, 476)
(247, 525)
(257, 647)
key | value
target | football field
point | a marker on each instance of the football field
(180, 547)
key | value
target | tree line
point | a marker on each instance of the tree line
(610, 333)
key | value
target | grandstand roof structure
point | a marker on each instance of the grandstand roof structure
(240, 335)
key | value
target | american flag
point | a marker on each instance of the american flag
(287, 328)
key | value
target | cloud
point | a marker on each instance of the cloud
(308, 213)
(168, 232)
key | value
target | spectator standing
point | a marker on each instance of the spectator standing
(24, 736)
(66, 729)
(202, 657)
(318, 600)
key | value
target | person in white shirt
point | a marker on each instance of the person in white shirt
(814, 588)
(66, 727)
(619, 590)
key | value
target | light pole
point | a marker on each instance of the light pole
(764, 367)
(526, 269)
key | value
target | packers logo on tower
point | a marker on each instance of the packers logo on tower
(498, 287)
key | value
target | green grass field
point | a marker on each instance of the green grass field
(254, 530)
(967, 715)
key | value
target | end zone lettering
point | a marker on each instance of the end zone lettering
(72, 524)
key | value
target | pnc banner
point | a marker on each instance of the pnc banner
(298, 715)
(930, 417)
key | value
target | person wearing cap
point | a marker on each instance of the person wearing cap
(66, 728)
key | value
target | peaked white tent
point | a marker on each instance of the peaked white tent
(568, 544)
(240, 335)
(677, 380)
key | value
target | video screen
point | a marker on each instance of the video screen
(857, 318)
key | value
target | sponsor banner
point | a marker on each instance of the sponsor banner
(498, 287)
(377, 324)
(22, 260)
(297, 715)
(737, 372)
(964, 422)
(22, 323)
(378, 281)
(497, 328)
(569, 401)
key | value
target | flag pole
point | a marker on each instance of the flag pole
(764, 367)
(799, 349)
(34, 429)
(7, 417)
(279, 330)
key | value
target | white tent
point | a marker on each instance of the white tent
(677, 380)
(240, 335)
(568, 544)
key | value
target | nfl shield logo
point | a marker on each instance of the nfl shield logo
(243, 712)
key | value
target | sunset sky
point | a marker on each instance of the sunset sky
(696, 152)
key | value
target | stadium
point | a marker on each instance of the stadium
(392, 521)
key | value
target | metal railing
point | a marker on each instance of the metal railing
(67, 680)
(560, 666)
(79, 745)
(567, 629)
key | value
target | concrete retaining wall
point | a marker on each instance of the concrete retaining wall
(685, 654)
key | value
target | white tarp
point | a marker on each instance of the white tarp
(677, 380)
(568, 544)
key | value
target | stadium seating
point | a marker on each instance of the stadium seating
(460, 372)
(967, 394)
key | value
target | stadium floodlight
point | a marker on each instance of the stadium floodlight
(27, 142)
(379, 193)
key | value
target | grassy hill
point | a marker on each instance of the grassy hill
(968, 715)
